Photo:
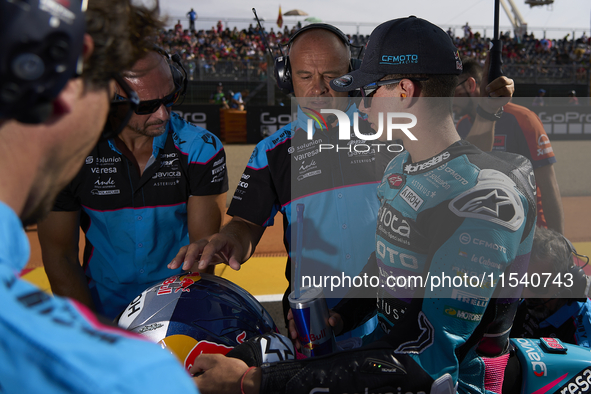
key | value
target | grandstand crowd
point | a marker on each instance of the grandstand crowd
(222, 50)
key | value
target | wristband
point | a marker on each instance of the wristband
(242, 380)
(487, 115)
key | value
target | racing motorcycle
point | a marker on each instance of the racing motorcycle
(190, 314)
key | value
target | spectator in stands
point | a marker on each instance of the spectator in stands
(178, 27)
(539, 99)
(572, 98)
(192, 18)
(467, 31)
(219, 97)
(237, 100)
(552, 311)
(518, 130)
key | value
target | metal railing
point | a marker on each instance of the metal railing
(542, 74)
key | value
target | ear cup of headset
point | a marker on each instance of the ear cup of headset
(283, 74)
(41, 52)
(581, 282)
(179, 74)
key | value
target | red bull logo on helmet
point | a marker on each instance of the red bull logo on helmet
(205, 347)
(186, 348)
(187, 280)
(241, 337)
(184, 283)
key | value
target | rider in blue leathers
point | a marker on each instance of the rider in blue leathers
(447, 209)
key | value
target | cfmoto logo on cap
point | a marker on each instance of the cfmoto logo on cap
(399, 59)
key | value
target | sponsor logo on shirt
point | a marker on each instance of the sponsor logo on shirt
(307, 166)
(309, 174)
(462, 315)
(209, 139)
(500, 142)
(545, 151)
(169, 163)
(166, 174)
(414, 167)
(543, 140)
(411, 198)
(422, 189)
(465, 239)
(494, 198)
(469, 298)
(102, 184)
(96, 192)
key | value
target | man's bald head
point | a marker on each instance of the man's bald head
(316, 57)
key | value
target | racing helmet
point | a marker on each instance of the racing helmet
(192, 313)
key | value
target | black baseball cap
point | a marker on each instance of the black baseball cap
(403, 46)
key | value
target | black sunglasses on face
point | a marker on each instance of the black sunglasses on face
(150, 106)
(120, 110)
(369, 90)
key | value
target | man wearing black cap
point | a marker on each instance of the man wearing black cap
(448, 210)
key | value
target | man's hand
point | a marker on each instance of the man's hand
(499, 91)
(335, 321)
(221, 374)
(219, 248)
(233, 245)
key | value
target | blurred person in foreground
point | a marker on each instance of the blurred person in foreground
(555, 303)
(446, 207)
(517, 130)
(60, 86)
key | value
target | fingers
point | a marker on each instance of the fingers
(501, 87)
(292, 331)
(218, 373)
(336, 322)
(178, 259)
(188, 255)
(197, 256)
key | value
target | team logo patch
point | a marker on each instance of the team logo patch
(253, 156)
(209, 139)
(343, 82)
(396, 181)
(494, 198)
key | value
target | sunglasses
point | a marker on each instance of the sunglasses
(369, 90)
(150, 106)
(120, 110)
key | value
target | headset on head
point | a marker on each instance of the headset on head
(41, 49)
(283, 67)
(179, 74)
(581, 282)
